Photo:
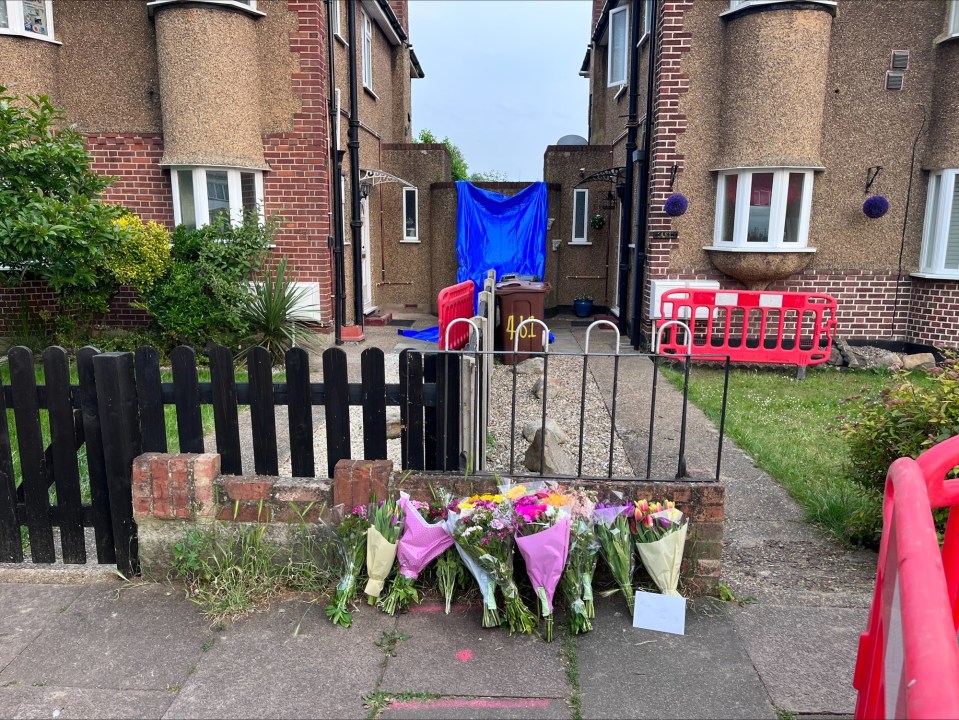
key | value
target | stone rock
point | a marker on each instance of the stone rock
(919, 361)
(844, 350)
(533, 366)
(555, 461)
(554, 383)
(865, 357)
(394, 426)
(552, 427)
(835, 357)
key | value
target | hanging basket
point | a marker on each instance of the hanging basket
(676, 205)
(597, 222)
(875, 206)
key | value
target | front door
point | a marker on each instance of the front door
(368, 306)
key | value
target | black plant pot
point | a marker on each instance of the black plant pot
(583, 308)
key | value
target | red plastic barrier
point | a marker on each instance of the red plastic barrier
(454, 302)
(908, 661)
(749, 325)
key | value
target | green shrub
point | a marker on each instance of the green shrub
(200, 297)
(142, 254)
(910, 413)
(271, 316)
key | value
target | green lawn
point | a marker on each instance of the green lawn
(789, 428)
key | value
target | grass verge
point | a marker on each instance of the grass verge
(789, 428)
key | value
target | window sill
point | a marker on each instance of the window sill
(936, 276)
(29, 36)
(620, 92)
(579, 243)
(946, 37)
(763, 249)
(369, 91)
(410, 241)
(226, 4)
(342, 39)
(759, 5)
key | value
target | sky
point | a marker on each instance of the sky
(502, 78)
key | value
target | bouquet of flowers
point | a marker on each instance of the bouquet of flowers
(483, 530)
(420, 543)
(577, 580)
(351, 540)
(615, 542)
(381, 545)
(487, 585)
(450, 572)
(542, 536)
(660, 540)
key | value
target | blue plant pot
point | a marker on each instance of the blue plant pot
(583, 308)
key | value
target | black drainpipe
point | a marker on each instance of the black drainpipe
(637, 336)
(627, 190)
(336, 163)
(354, 146)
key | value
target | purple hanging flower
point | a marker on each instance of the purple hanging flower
(675, 205)
(875, 206)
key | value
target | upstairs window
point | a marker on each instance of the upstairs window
(367, 51)
(29, 18)
(940, 235)
(204, 196)
(762, 209)
(647, 18)
(952, 15)
(618, 33)
(411, 215)
(335, 17)
(580, 215)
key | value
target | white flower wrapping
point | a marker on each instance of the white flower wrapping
(663, 558)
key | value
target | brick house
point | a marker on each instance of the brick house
(203, 107)
(777, 120)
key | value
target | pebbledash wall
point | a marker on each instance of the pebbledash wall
(174, 493)
(801, 84)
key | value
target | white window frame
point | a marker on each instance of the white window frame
(610, 80)
(415, 237)
(200, 199)
(346, 238)
(15, 22)
(367, 28)
(777, 210)
(335, 18)
(952, 19)
(581, 239)
(936, 226)
(247, 6)
(735, 5)
(647, 20)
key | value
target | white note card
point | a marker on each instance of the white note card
(664, 613)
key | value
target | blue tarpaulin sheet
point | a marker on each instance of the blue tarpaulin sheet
(496, 232)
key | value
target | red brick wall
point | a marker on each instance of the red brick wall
(935, 312)
(141, 184)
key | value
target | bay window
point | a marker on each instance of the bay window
(763, 208)
(940, 235)
(204, 196)
(29, 18)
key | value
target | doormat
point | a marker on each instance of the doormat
(581, 323)
(401, 323)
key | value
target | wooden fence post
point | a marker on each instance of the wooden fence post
(120, 422)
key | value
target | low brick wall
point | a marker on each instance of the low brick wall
(174, 493)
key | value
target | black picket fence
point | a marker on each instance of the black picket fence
(116, 411)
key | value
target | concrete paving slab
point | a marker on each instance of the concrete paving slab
(261, 667)
(11, 695)
(53, 702)
(28, 609)
(147, 638)
(466, 708)
(706, 673)
(806, 656)
(453, 655)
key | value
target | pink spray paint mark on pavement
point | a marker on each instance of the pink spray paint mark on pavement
(464, 655)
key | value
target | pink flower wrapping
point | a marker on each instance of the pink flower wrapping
(421, 542)
(545, 555)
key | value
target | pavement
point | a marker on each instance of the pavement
(100, 647)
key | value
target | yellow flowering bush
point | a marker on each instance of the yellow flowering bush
(142, 255)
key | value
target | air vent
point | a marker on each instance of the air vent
(900, 60)
(893, 80)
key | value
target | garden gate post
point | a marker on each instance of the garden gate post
(120, 422)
